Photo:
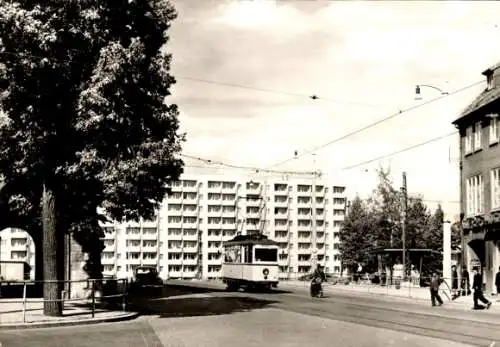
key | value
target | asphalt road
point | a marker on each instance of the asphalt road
(214, 318)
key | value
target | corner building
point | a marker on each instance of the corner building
(478, 126)
(185, 241)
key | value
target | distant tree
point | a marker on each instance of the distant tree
(84, 87)
(357, 237)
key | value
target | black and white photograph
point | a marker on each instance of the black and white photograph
(251, 173)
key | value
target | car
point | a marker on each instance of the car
(146, 281)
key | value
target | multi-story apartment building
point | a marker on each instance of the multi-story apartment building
(480, 178)
(17, 245)
(204, 211)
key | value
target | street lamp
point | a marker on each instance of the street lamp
(419, 86)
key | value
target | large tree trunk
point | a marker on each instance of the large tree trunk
(51, 255)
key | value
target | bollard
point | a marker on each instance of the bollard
(24, 302)
(93, 298)
(124, 296)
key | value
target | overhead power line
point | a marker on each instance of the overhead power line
(399, 151)
(274, 91)
(243, 167)
(359, 130)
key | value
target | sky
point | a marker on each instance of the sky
(362, 59)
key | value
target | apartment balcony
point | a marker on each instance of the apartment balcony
(304, 216)
(190, 189)
(304, 250)
(174, 274)
(231, 202)
(175, 200)
(190, 237)
(254, 189)
(215, 237)
(191, 249)
(253, 203)
(304, 263)
(109, 248)
(214, 261)
(229, 226)
(175, 261)
(133, 236)
(281, 204)
(174, 225)
(150, 249)
(150, 236)
(149, 261)
(175, 249)
(306, 228)
(134, 261)
(149, 224)
(190, 262)
(191, 200)
(256, 215)
(283, 239)
(190, 225)
(109, 236)
(108, 261)
(229, 190)
(190, 213)
(215, 213)
(229, 214)
(338, 217)
(133, 249)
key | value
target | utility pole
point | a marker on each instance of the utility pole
(403, 223)
(313, 229)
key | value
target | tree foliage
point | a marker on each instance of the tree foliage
(379, 221)
(357, 239)
(83, 86)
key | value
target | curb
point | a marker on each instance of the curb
(385, 297)
(88, 321)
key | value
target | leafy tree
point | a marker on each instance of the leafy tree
(84, 87)
(357, 237)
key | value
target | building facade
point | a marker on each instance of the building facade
(203, 211)
(17, 245)
(478, 126)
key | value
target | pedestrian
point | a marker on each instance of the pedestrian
(465, 285)
(454, 282)
(434, 287)
(477, 285)
(497, 281)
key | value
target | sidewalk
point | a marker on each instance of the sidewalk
(12, 315)
(407, 292)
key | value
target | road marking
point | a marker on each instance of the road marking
(143, 339)
(492, 344)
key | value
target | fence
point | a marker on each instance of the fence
(409, 287)
(89, 295)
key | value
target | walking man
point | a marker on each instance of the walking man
(477, 285)
(497, 281)
(435, 282)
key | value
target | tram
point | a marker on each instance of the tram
(250, 261)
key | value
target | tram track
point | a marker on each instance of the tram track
(456, 329)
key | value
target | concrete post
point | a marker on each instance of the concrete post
(447, 250)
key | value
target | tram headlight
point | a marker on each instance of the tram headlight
(265, 272)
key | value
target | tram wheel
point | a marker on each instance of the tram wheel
(232, 287)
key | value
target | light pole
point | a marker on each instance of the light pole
(419, 86)
(314, 229)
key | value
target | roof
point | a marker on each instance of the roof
(250, 240)
(483, 99)
(486, 97)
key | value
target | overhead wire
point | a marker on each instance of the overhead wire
(371, 125)
(275, 91)
(399, 151)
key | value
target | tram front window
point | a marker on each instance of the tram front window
(266, 255)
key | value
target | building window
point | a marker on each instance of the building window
(475, 198)
(477, 136)
(468, 140)
(494, 134)
(495, 188)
